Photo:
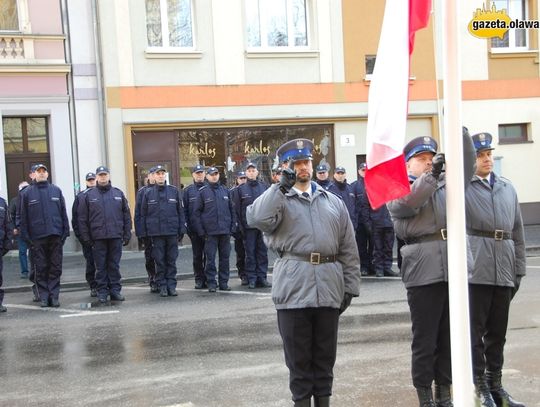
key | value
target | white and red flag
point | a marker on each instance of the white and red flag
(386, 175)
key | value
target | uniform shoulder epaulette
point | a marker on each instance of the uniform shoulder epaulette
(203, 187)
(141, 188)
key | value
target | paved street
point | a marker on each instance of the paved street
(205, 350)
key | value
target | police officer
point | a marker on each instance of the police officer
(238, 237)
(496, 239)
(316, 275)
(197, 243)
(214, 221)
(105, 224)
(90, 273)
(321, 173)
(420, 220)
(5, 242)
(162, 220)
(363, 230)
(382, 236)
(276, 174)
(341, 188)
(45, 226)
(149, 262)
(256, 250)
(23, 249)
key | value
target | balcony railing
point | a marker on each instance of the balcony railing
(12, 48)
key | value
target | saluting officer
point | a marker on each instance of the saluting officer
(238, 237)
(316, 275)
(214, 221)
(496, 239)
(162, 220)
(149, 262)
(105, 224)
(45, 226)
(197, 243)
(420, 220)
(90, 273)
(5, 242)
(256, 250)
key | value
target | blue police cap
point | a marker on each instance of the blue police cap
(250, 165)
(197, 168)
(482, 141)
(339, 168)
(362, 166)
(420, 145)
(321, 168)
(90, 176)
(297, 149)
(212, 170)
(102, 170)
(159, 167)
(240, 174)
(38, 166)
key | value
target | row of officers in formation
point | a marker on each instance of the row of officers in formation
(316, 274)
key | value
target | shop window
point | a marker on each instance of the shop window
(515, 39)
(513, 133)
(169, 23)
(277, 24)
(9, 17)
(23, 135)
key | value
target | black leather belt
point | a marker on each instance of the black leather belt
(313, 258)
(440, 235)
(497, 234)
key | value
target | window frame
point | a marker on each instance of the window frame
(264, 48)
(512, 32)
(19, 21)
(24, 133)
(165, 48)
(516, 140)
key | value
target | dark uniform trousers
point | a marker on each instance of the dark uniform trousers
(1, 280)
(32, 271)
(365, 248)
(197, 247)
(310, 342)
(217, 244)
(149, 262)
(90, 273)
(240, 257)
(383, 244)
(431, 334)
(165, 253)
(107, 254)
(47, 257)
(256, 256)
(489, 307)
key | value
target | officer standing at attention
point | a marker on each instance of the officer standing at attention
(149, 262)
(162, 220)
(321, 175)
(238, 237)
(5, 242)
(23, 249)
(363, 230)
(45, 226)
(496, 238)
(316, 275)
(214, 221)
(256, 250)
(197, 243)
(90, 272)
(341, 188)
(105, 224)
(420, 220)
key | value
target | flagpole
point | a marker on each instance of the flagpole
(463, 393)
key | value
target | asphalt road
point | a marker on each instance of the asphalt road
(223, 349)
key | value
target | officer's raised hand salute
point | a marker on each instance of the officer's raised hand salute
(316, 275)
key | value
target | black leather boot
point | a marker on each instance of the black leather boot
(500, 396)
(443, 398)
(322, 401)
(303, 403)
(425, 397)
(482, 391)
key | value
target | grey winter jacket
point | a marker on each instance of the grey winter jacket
(295, 224)
(495, 262)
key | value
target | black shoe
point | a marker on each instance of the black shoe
(154, 288)
(24, 275)
(172, 292)
(225, 288)
(364, 272)
(117, 297)
(252, 285)
(379, 273)
(245, 281)
(35, 298)
(102, 300)
(2, 308)
(55, 303)
(44, 303)
(390, 273)
(263, 284)
(163, 292)
(93, 292)
(211, 289)
(199, 285)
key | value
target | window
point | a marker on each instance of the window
(23, 135)
(513, 133)
(169, 23)
(277, 24)
(9, 17)
(514, 38)
(370, 65)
